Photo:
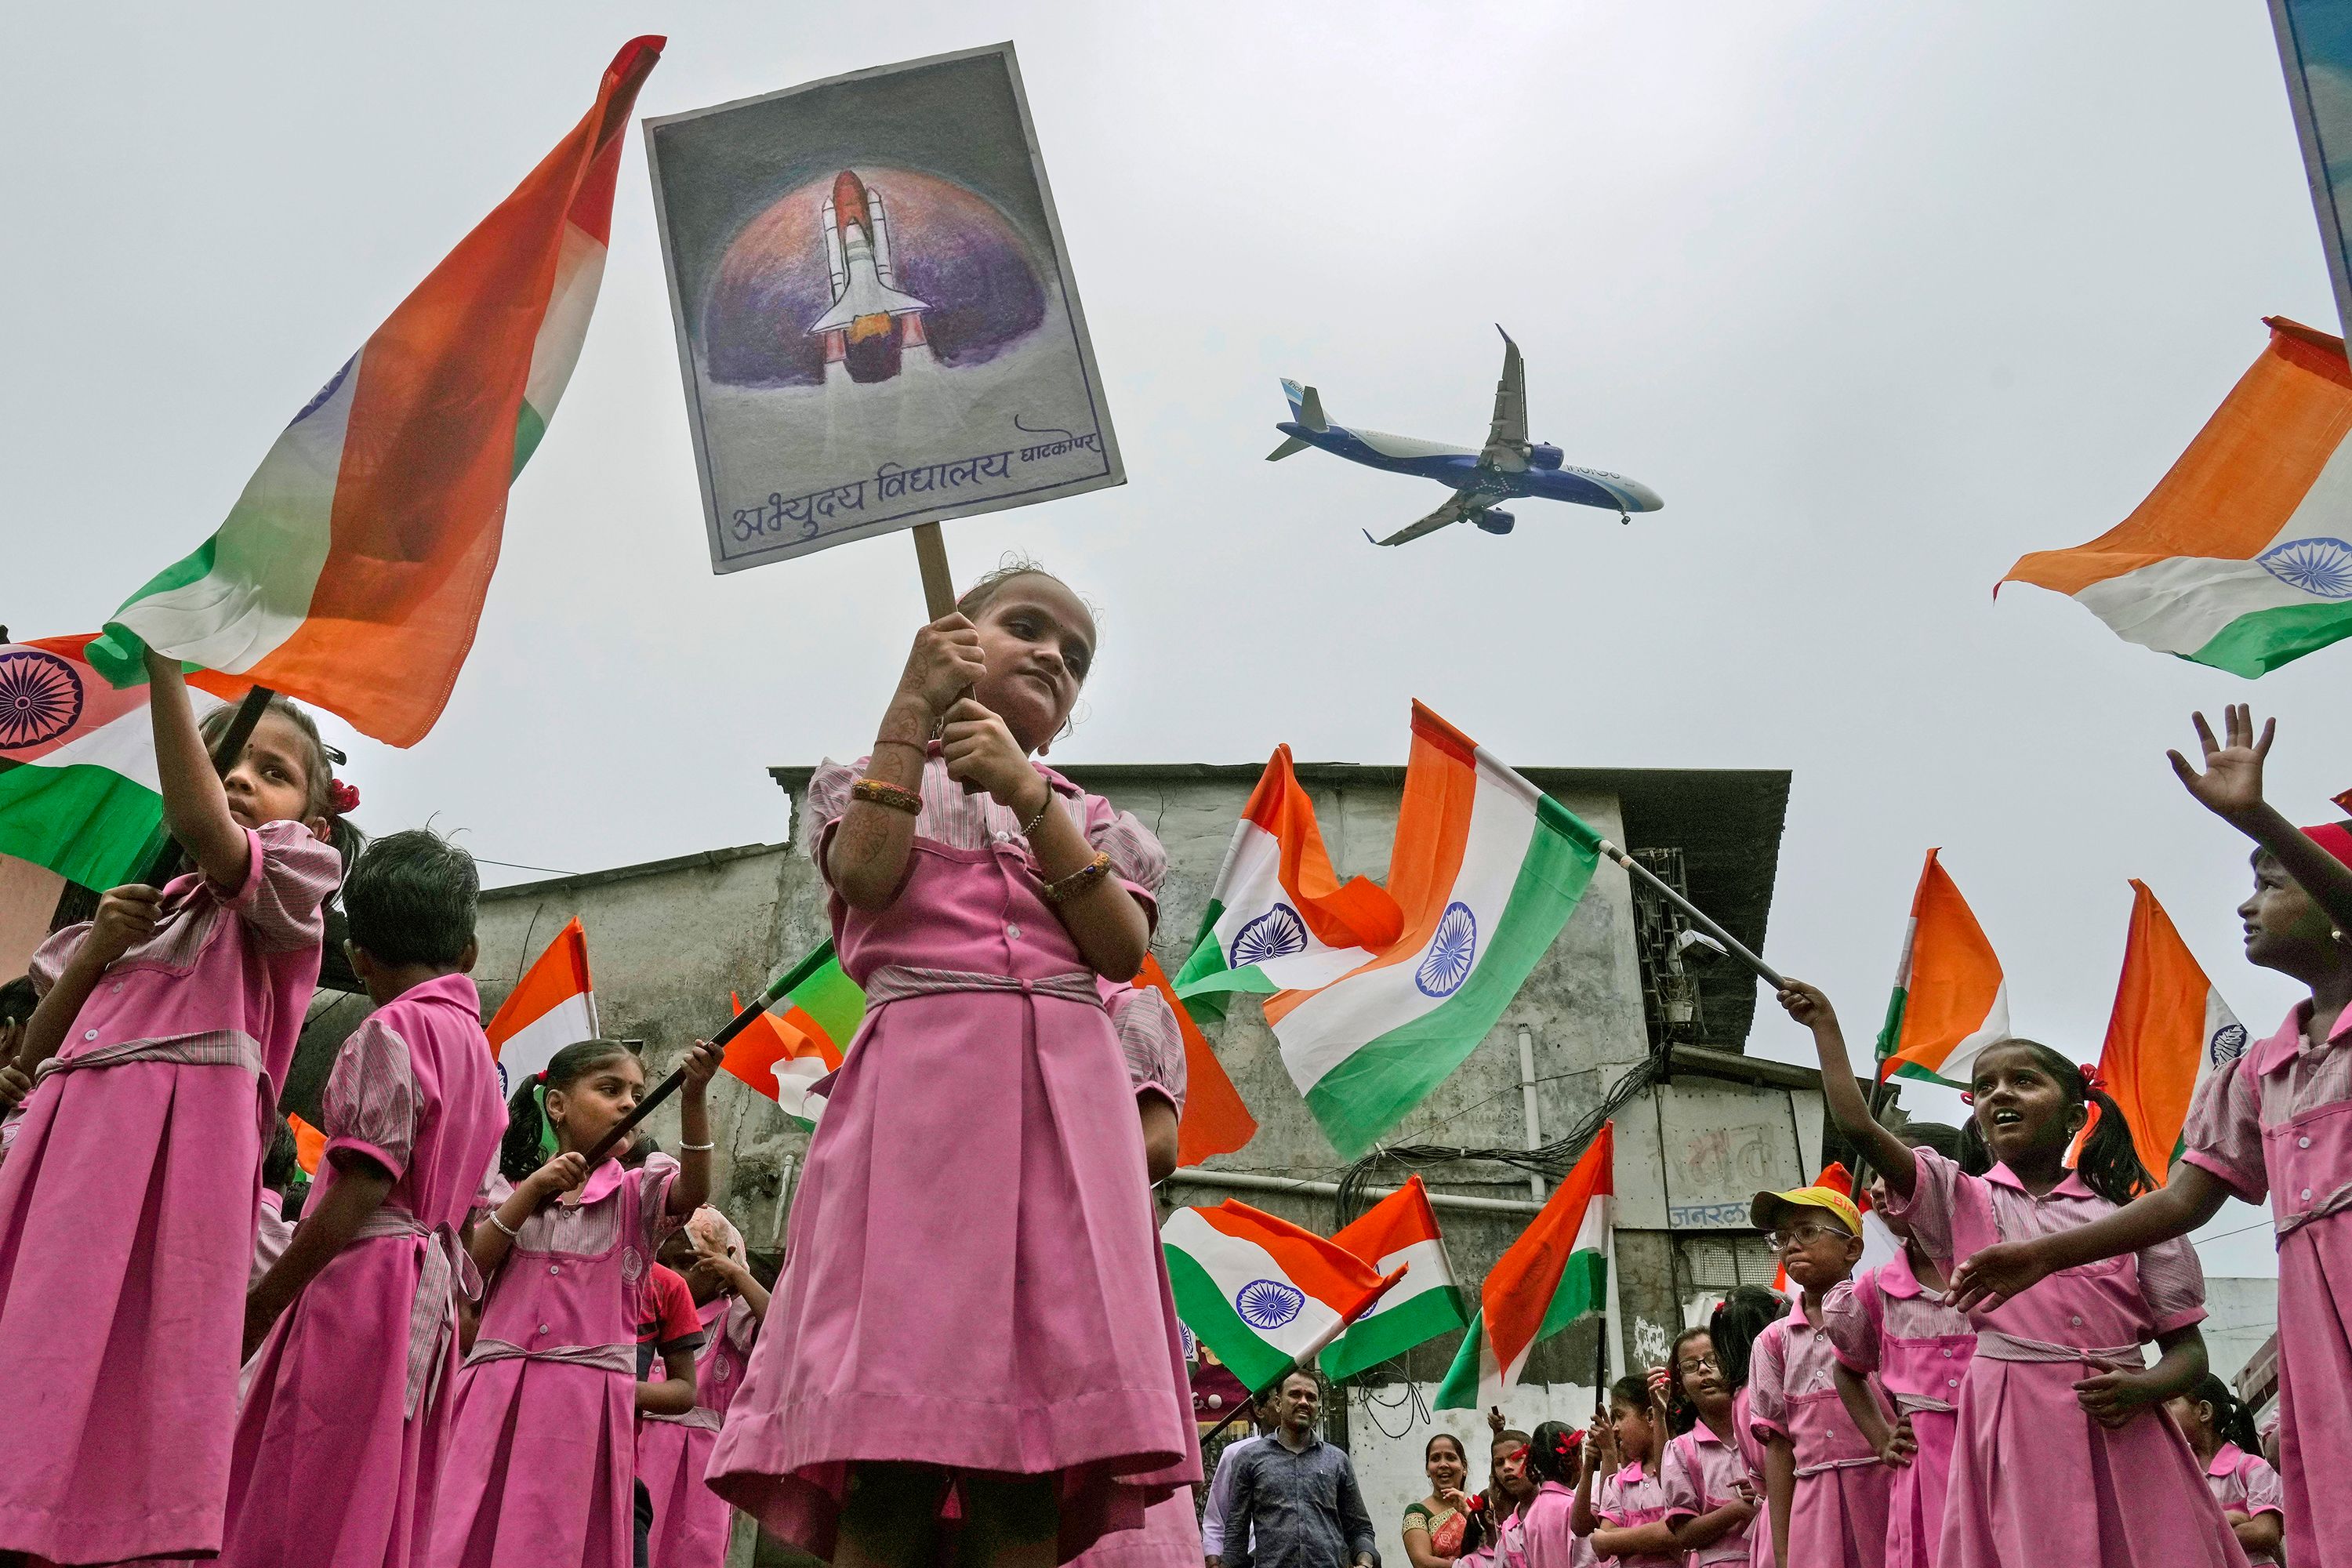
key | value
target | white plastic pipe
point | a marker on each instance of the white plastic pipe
(1528, 1092)
(1251, 1181)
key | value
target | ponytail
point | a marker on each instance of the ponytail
(530, 1140)
(2110, 1161)
(2232, 1421)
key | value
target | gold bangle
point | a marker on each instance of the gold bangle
(1078, 881)
(883, 792)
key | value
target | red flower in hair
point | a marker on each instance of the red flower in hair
(343, 797)
(2091, 1078)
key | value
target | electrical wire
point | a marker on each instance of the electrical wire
(1417, 1408)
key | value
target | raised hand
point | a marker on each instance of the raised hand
(982, 754)
(1994, 1275)
(945, 662)
(126, 917)
(2231, 787)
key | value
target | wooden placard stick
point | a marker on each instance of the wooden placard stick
(938, 588)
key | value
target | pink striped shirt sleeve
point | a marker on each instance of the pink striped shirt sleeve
(1685, 1490)
(1153, 1044)
(1846, 1323)
(49, 960)
(2259, 1486)
(1934, 1192)
(2224, 1130)
(287, 884)
(1768, 1403)
(370, 1102)
(2172, 1283)
(1136, 857)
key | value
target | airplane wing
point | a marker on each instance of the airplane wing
(1457, 507)
(1506, 437)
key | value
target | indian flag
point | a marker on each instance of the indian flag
(1485, 871)
(1261, 1292)
(554, 1005)
(78, 789)
(2240, 557)
(1556, 1272)
(803, 1037)
(1951, 997)
(1278, 918)
(2169, 1032)
(351, 571)
(1398, 1232)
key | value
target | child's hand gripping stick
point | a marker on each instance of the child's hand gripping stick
(670, 1085)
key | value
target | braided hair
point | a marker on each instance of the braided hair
(2109, 1163)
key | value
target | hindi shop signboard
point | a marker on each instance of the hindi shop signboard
(875, 312)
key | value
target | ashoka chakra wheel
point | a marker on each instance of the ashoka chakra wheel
(40, 697)
(1277, 933)
(2317, 566)
(1451, 953)
(1266, 1304)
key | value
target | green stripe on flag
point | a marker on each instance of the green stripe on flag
(1371, 1340)
(1583, 1289)
(117, 653)
(86, 823)
(1213, 1321)
(2257, 643)
(1377, 1084)
(1460, 1389)
(528, 429)
(832, 1001)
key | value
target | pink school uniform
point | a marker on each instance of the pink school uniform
(129, 1209)
(1885, 1322)
(1751, 1454)
(976, 1279)
(541, 1455)
(1547, 1535)
(340, 1444)
(2277, 1123)
(1837, 1518)
(271, 1232)
(1702, 1473)
(2034, 1479)
(1629, 1499)
(691, 1520)
(2244, 1483)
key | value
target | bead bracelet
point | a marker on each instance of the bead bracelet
(882, 793)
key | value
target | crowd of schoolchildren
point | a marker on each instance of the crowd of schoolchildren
(475, 1349)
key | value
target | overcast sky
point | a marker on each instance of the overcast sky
(1876, 298)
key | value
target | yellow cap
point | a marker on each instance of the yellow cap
(1770, 1209)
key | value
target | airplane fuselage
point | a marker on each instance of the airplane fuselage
(1458, 468)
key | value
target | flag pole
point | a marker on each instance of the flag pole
(1305, 1359)
(1696, 916)
(931, 561)
(166, 864)
(669, 1086)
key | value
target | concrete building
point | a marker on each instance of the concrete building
(1609, 1009)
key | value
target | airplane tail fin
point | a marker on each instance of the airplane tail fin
(1305, 406)
(1290, 445)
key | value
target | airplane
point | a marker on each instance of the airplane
(1509, 466)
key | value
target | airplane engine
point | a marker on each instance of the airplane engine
(1543, 455)
(1495, 522)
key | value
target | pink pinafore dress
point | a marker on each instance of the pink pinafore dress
(1702, 1473)
(1629, 1499)
(976, 1281)
(2034, 1478)
(2277, 1123)
(691, 1520)
(1751, 1454)
(129, 1209)
(1837, 1518)
(1885, 1322)
(543, 1444)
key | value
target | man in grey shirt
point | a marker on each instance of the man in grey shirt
(1295, 1502)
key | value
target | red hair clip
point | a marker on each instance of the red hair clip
(1968, 1097)
(343, 797)
(539, 1077)
(2091, 1078)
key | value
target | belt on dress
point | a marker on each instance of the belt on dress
(215, 1048)
(701, 1418)
(896, 981)
(604, 1358)
(1995, 1345)
(448, 1272)
(2334, 1203)
(1910, 1402)
(1827, 1465)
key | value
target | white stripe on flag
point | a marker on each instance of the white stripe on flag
(529, 1049)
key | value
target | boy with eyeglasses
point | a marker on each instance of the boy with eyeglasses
(1824, 1483)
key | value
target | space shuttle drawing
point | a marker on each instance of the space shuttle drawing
(867, 302)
